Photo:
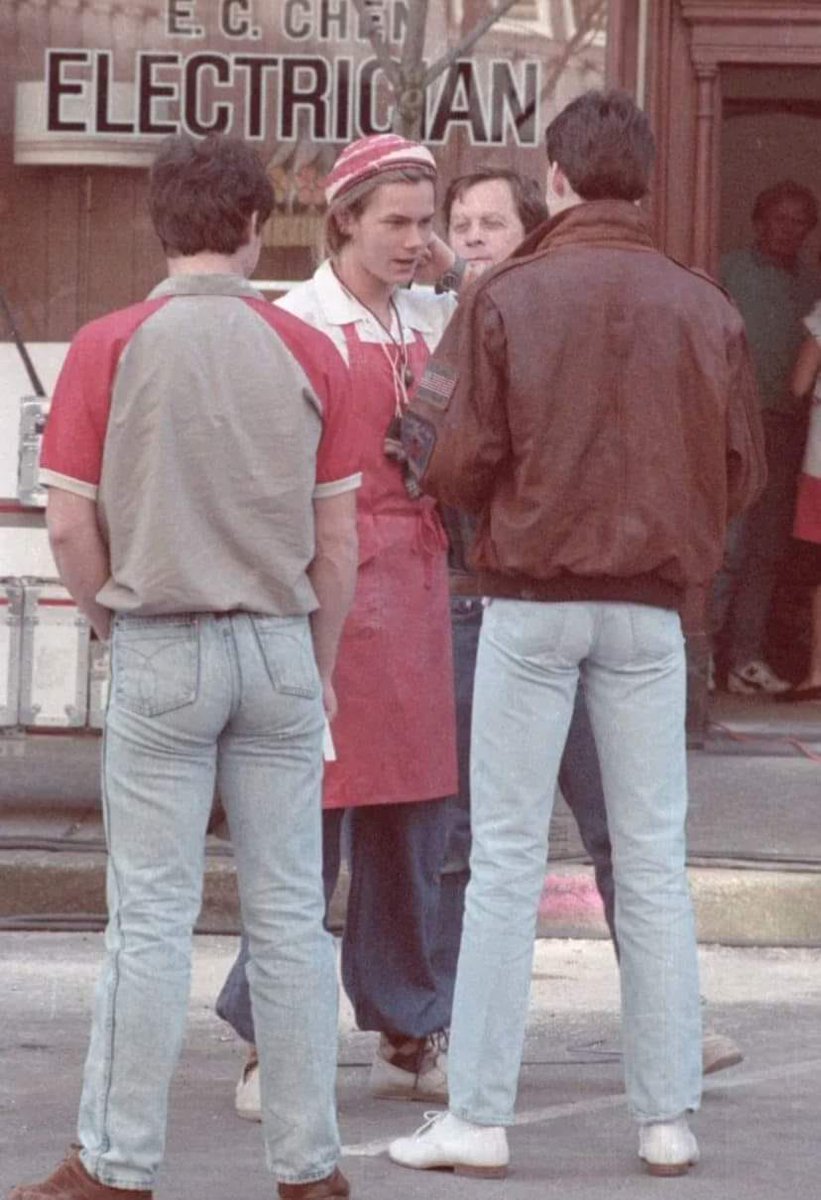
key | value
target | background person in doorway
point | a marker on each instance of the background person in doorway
(773, 289)
(807, 524)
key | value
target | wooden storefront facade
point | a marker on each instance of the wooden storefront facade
(86, 87)
(75, 237)
(691, 62)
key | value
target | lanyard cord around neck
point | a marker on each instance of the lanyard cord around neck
(399, 362)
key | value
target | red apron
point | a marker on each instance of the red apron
(394, 734)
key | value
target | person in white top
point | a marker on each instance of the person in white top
(394, 733)
(806, 381)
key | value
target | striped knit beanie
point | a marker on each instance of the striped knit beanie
(371, 156)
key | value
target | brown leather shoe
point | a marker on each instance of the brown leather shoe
(329, 1188)
(71, 1181)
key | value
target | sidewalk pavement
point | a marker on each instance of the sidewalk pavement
(754, 843)
(758, 1127)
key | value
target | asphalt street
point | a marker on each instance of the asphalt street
(758, 1127)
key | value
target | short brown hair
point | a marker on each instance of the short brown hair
(203, 193)
(786, 190)
(528, 195)
(604, 145)
(356, 201)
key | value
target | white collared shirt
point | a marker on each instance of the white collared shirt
(323, 302)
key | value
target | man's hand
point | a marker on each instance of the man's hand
(80, 553)
(102, 624)
(329, 699)
(438, 258)
(435, 259)
(333, 578)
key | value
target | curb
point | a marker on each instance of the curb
(42, 889)
(737, 907)
(733, 906)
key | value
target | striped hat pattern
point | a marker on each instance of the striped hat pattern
(369, 156)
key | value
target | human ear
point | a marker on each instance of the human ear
(558, 181)
(344, 220)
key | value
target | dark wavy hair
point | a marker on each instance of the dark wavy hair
(604, 145)
(528, 195)
(203, 193)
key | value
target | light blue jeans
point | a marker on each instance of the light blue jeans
(631, 659)
(198, 700)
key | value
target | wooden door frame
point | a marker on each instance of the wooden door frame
(731, 32)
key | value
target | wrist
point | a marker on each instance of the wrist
(451, 279)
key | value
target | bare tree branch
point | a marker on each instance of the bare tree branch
(589, 24)
(467, 42)
(407, 79)
(380, 46)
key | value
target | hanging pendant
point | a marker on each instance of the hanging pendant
(407, 376)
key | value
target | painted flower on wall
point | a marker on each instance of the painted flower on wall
(296, 191)
(281, 183)
(309, 185)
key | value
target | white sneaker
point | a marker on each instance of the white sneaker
(410, 1069)
(718, 1053)
(447, 1141)
(668, 1147)
(754, 679)
(247, 1100)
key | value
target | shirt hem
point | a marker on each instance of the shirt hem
(336, 487)
(78, 487)
(639, 589)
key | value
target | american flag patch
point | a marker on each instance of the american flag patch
(436, 386)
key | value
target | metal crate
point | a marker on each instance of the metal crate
(54, 659)
(33, 415)
(11, 632)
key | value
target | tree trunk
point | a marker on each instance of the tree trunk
(410, 101)
(409, 79)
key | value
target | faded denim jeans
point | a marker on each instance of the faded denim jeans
(631, 660)
(199, 700)
(579, 775)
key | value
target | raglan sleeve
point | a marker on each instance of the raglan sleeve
(72, 451)
(338, 456)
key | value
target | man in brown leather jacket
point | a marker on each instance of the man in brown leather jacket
(593, 403)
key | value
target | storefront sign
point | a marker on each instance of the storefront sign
(208, 72)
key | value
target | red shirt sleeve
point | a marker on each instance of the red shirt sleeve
(338, 457)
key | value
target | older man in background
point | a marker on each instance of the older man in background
(774, 290)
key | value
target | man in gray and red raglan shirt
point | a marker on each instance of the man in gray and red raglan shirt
(202, 471)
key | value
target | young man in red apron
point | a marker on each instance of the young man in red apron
(394, 732)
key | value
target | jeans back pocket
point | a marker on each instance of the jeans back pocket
(155, 665)
(288, 652)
